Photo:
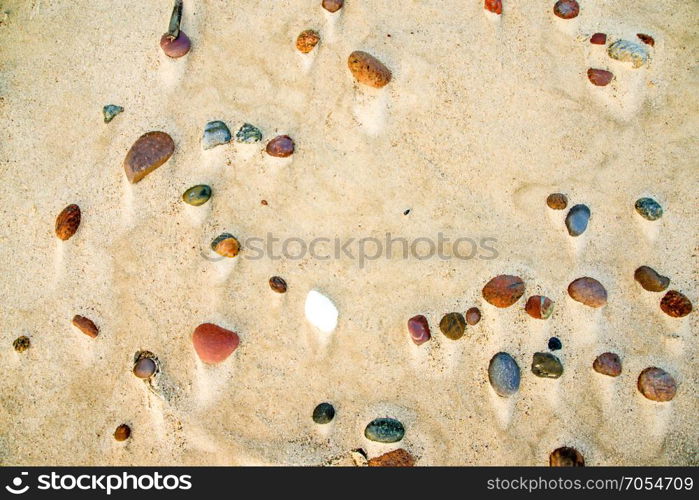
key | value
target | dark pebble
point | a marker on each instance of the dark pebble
(647, 39)
(607, 363)
(539, 307)
(149, 152)
(577, 220)
(419, 329)
(557, 201)
(175, 47)
(277, 284)
(122, 433)
(555, 344)
(566, 457)
(598, 39)
(503, 290)
(145, 367)
(657, 385)
(650, 280)
(600, 77)
(504, 374)
(473, 316)
(21, 344)
(546, 365)
(676, 304)
(67, 222)
(384, 430)
(649, 209)
(566, 9)
(197, 195)
(323, 413)
(281, 146)
(588, 291)
(453, 325)
(85, 325)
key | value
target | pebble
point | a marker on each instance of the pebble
(149, 152)
(546, 365)
(557, 201)
(607, 363)
(650, 279)
(277, 284)
(368, 70)
(307, 40)
(86, 325)
(323, 413)
(473, 316)
(248, 134)
(599, 77)
(627, 51)
(588, 291)
(503, 290)
(453, 325)
(21, 344)
(647, 39)
(145, 367)
(494, 6)
(175, 47)
(281, 146)
(599, 39)
(321, 312)
(676, 304)
(566, 9)
(216, 133)
(67, 222)
(395, 458)
(504, 374)
(333, 5)
(213, 344)
(555, 344)
(110, 111)
(649, 209)
(226, 245)
(122, 433)
(419, 329)
(384, 430)
(566, 457)
(539, 307)
(197, 195)
(657, 385)
(577, 220)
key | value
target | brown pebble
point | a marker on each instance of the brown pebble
(122, 433)
(503, 290)
(264, 203)
(86, 325)
(149, 152)
(676, 304)
(657, 385)
(599, 77)
(453, 325)
(332, 5)
(473, 316)
(67, 222)
(557, 201)
(607, 363)
(598, 39)
(307, 40)
(650, 279)
(145, 367)
(566, 9)
(277, 284)
(539, 307)
(21, 344)
(226, 245)
(395, 458)
(566, 457)
(368, 70)
(647, 39)
(588, 291)
(281, 146)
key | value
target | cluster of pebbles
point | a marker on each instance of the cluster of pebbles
(213, 344)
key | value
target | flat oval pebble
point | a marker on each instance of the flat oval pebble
(175, 47)
(320, 311)
(226, 245)
(676, 304)
(503, 290)
(280, 147)
(647, 39)
(110, 111)
(384, 430)
(67, 222)
(649, 209)
(599, 77)
(566, 457)
(546, 365)
(657, 385)
(607, 363)
(277, 284)
(650, 279)
(395, 458)
(577, 219)
(149, 152)
(197, 195)
(332, 5)
(557, 201)
(566, 9)
(85, 325)
(122, 433)
(627, 51)
(598, 39)
(21, 344)
(216, 133)
(539, 307)
(307, 40)
(145, 367)
(453, 325)
(323, 413)
(368, 70)
(504, 374)
(419, 329)
(248, 134)
(588, 291)
(494, 6)
(555, 344)
(213, 344)
(473, 316)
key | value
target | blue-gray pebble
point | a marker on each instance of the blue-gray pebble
(577, 219)
(248, 134)
(110, 111)
(384, 430)
(215, 134)
(504, 374)
(323, 413)
(649, 209)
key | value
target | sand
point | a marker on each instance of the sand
(484, 118)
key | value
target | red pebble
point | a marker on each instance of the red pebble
(599, 77)
(175, 47)
(213, 343)
(566, 9)
(599, 38)
(419, 329)
(493, 6)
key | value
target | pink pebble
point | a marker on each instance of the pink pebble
(419, 329)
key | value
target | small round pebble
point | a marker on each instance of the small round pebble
(599, 77)
(649, 209)
(539, 307)
(226, 245)
(598, 39)
(504, 290)
(676, 304)
(453, 325)
(557, 201)
(145, 367)
(248, 134)
(588, 291)
(494, 6)
(384, 430)
(332, 5)
(647, 39)
(650, 279)
(21, 344)
(307, 40)
(504, 374)
(175, 47)
(657, 385)
(197, 195)
(323, 413)
(281, 146)
(122, 433)
(419, 329)
(566, 9)
(566, 457)
(395, 458)
(555, 344)
(277, 284)
(577, 220)
(473, 316)
(546, 365)
(607, 363)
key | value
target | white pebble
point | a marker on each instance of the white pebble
(321, 312)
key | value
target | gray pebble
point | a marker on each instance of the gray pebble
(215, 134)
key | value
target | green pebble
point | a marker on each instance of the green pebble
(110, 111)
(248, 134)
(197, 195)
(546, 365)
(384, 430)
